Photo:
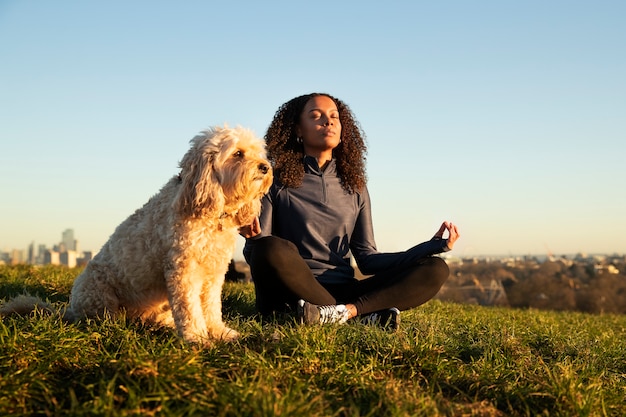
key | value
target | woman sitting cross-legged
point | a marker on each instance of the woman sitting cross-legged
(316, 213)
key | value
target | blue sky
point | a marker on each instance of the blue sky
(507, 118)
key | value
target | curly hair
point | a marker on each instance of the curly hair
(286, 154)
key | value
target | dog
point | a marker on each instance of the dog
(166, 263)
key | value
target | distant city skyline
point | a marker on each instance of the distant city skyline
(68, 235)
(65, 252)
(66, 238)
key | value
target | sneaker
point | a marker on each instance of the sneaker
(388, 319)
(313, 314)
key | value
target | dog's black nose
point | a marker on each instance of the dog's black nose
(264, 168)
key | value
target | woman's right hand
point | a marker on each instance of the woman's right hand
(251, 230)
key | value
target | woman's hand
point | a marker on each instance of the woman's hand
(453, 233)
(251, 230)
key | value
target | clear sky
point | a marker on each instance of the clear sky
(507, 118)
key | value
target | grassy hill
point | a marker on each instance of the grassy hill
(447, 359)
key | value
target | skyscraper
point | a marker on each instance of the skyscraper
(32, 257)
(68, 239)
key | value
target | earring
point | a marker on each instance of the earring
(299, 139)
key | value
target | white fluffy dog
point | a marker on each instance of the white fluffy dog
(166, 262)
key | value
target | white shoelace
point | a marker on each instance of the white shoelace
(333, 314)
(374, 318)
(371, 319)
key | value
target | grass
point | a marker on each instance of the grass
(447, 359)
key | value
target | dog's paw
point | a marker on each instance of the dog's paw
(229, 334)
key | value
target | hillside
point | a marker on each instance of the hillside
(447, 359)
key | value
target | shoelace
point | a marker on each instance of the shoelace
(371, 319)
(332, 314)
(387, 318)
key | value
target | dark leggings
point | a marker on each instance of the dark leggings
(281, 277)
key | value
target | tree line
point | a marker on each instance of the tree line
(551, 285)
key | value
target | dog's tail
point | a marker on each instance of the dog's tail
(24, 305)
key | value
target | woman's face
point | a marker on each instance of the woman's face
(319, 126)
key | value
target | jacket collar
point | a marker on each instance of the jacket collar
(311, 166)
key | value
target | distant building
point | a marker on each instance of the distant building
(41, 254)
(610, 269)
(52, 257)
(68, 258)
(84, 259)
(68, 240)
(32, 257)
(18, 257)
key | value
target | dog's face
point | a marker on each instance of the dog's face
(225, 173)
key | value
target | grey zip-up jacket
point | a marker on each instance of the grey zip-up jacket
(326, 222)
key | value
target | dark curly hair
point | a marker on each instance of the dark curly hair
(286, 154)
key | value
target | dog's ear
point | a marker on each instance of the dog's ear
(201, 192)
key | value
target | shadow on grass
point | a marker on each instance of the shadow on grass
(13, 289)
(46, 282)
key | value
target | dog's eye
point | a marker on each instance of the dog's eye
(238, 154)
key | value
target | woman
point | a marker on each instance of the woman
(317, 211)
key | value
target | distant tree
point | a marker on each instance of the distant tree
(552, 268)
(580, 272)
(606, 293)
(553, 285)
(543, 291)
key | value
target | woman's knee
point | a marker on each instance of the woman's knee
(439, 269)
(273, 260)
(432, 271)
(272, 244)
(272, 250)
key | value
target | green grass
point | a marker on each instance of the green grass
(447, 359)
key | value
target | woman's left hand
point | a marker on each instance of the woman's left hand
(453, 233)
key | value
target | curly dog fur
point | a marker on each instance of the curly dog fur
(166, 263)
